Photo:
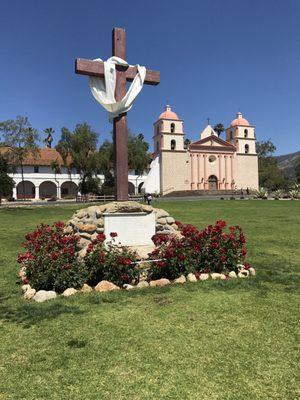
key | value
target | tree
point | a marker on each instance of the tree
(265, 149)
(80, 146)
(49, 139)
(219, 128)
(138, 159)
(297, 170)
(6, 182)
(55, 168)
(21, 139)
(138, 156)
(64, 147)
(270, 176)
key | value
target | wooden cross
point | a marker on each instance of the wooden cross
(120, 134)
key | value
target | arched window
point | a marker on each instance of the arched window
(246, 148)
(173, 144)
(172, 127)
(245, 132)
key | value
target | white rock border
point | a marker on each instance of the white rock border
(41, 296)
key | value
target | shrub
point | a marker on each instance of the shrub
(278, 194)
(50, 261)
(110, 262)
(261, 193)
(210, 250)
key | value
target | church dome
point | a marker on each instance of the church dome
(168, 114)
(239, 120)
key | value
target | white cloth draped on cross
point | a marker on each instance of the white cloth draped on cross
(103, 90)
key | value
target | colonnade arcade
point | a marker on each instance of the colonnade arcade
(28, 190)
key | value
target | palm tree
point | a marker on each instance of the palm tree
(219, 128)
(49, 139)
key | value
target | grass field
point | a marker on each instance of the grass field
(211, 340)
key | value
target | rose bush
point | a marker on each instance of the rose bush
(209, 250)
(50, 261)
(109, 262)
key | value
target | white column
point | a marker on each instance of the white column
(37, 192)
(220, 172)
(205, 174)
(192, 171)
(58, 192)
(15, 192)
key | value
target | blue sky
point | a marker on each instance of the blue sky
(215, 56)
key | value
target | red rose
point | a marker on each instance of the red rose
(161, 264)
(101, 237)
(197, 275)
(125, 277)
(113, 234)
(223, 259)
(243, 251)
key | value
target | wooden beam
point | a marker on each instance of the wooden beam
(96, 68)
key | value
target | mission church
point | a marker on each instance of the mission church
(210, 163)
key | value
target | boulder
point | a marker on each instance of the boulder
(170, 220)
(181, 279)
(81, 213)
(25, 288)
(243, 273)
(105, 286)
(142, 284)
(126, 286)
(29, 294)
(215, 276)
(86, 288)
(203, 277)
(85, 235)
(232, 274)
(68, 229)
(44, 295)
(89, 228)
(223, 277)
(69, 292)
(252, 271)
(160, 213)
(191, 277)
(160, 282)
(162, 221)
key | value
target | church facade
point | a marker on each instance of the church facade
(210, 163)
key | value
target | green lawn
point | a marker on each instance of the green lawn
(209, 340)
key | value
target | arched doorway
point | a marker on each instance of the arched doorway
(131, 188)
(25, 190)
(212, 182)
(48, 189)
(68, 189)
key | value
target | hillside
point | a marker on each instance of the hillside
(288, 162)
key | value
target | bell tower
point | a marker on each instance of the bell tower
(242, 135)
(168, 132)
